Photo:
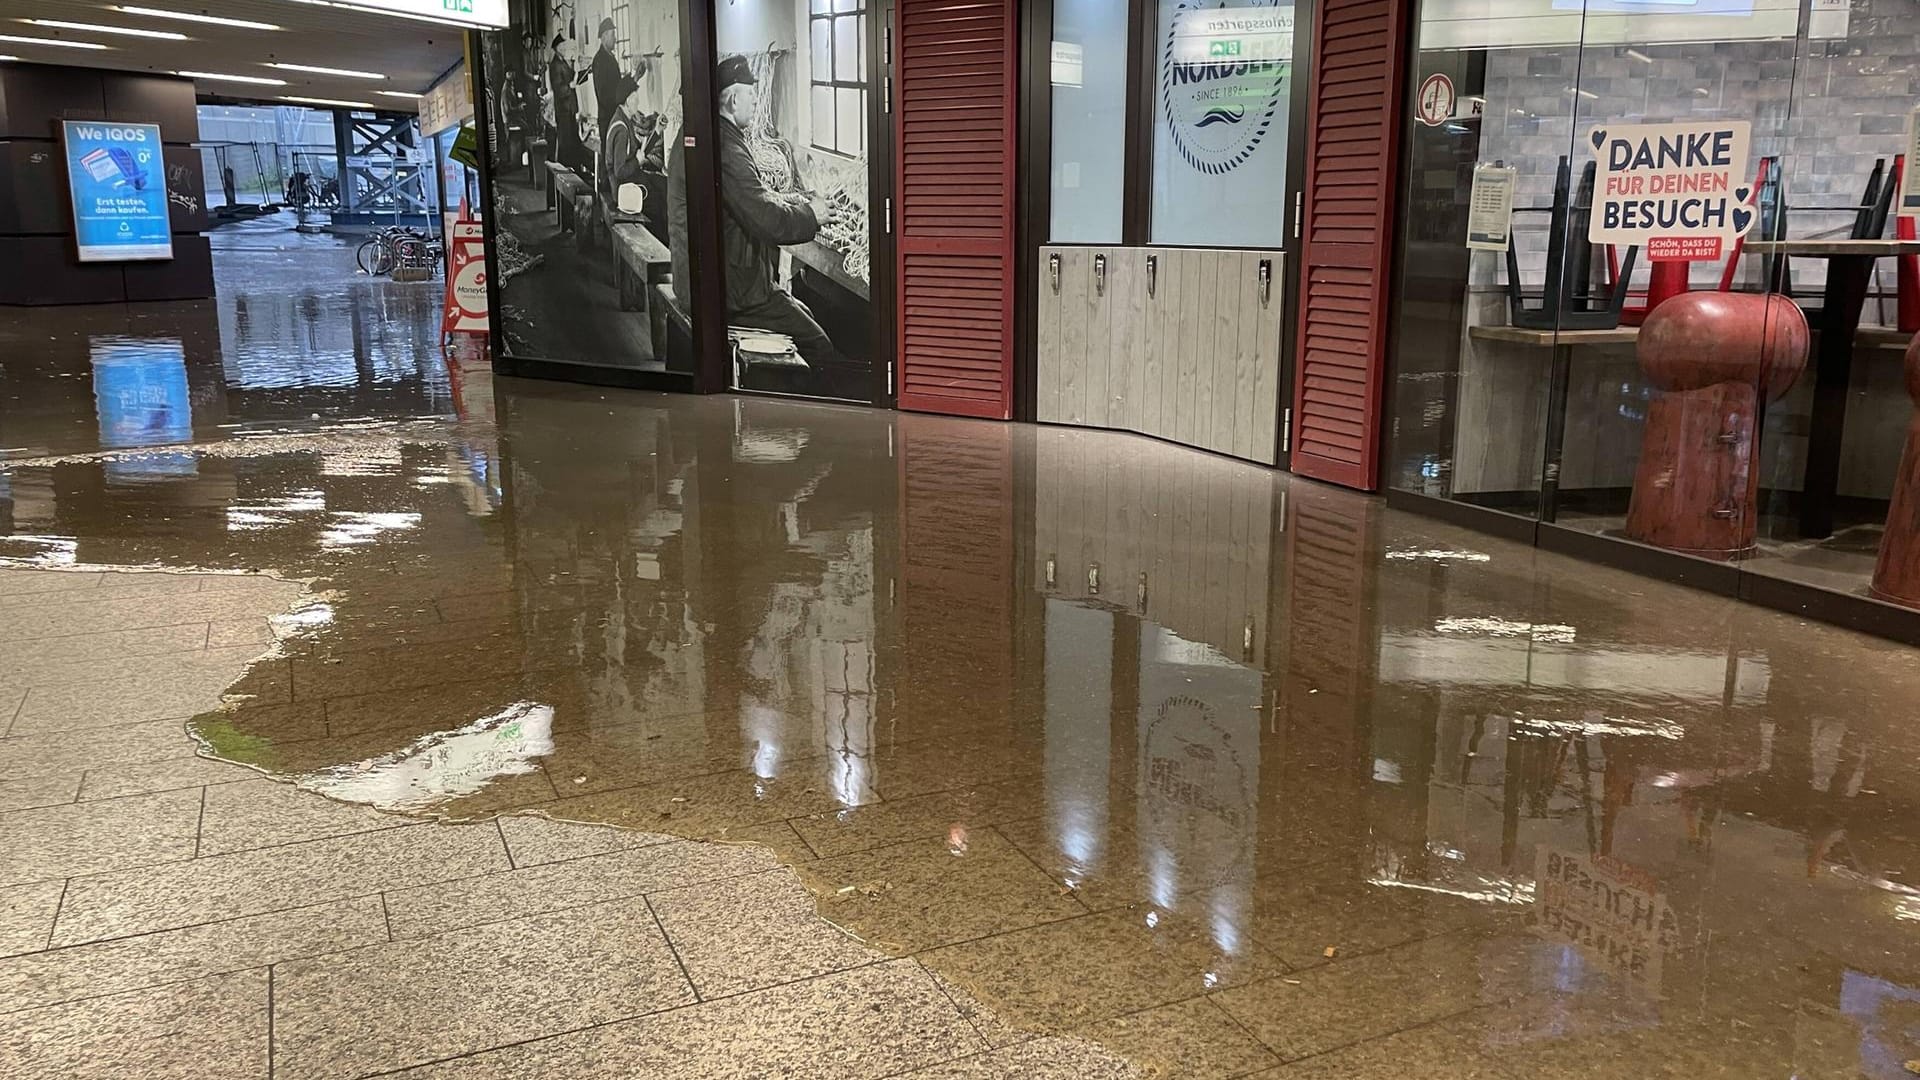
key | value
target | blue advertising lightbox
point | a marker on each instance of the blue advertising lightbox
(119, 184)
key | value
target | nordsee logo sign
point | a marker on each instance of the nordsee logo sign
(1223, 79)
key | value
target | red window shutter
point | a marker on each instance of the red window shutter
(955, 137)
(1353, 138)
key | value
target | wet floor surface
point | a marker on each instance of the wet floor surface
(1230, 773)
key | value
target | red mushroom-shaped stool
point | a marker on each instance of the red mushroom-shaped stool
(1896, 576)
(1715, 357)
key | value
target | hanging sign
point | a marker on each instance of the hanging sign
(1436, 100)
(1673, 189)
(119, 187)
(1910, 179)
(1490, 207)
(466, 311)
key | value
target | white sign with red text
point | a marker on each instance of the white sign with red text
(466, 280)
(1676, 190)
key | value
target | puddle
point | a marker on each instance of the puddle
(1089, 724)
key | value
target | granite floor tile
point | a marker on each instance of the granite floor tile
(533, 839)
(1193, 1040)
(876, 825)
(107, 967)
(139, 778)
(776, 836)
(207, 1029)
(1299, 916)
(358, 1012)
(1364, 997)
(23, 582)
(93, 838)
(29, 792)
(162, 687)
(109, 587)
(26, 915)
(36, 755)
(1439, 1051)
(873, 1021)
(124, 607)
(262, 813)
(1052, 1057)
(752, 932)
(993, 1029)
(955, 762)
(926, 893)
(272, 879)
(227, 633)
(1067, 974)
(42, 661)
(711, 806)
(431, 909)
(11, 698)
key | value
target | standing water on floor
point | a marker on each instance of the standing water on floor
(1093, 725)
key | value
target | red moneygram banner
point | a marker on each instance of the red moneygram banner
(466, 307)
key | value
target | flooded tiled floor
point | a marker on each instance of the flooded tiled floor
(1100, 737)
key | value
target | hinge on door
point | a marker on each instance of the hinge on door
(886, 44)
(886, 95)
(1298, 198)
(888, 204)
(889, 378)
(1286, 430)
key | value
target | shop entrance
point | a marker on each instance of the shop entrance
(1162, 233)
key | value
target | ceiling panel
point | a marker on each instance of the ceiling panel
(411, 54)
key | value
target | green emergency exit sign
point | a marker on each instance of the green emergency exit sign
(464, 7)
(1229, 47)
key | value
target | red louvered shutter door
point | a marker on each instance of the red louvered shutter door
(1353, 138)
(955, 133)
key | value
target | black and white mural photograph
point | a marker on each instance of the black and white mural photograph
(793, 89)
(584, 98)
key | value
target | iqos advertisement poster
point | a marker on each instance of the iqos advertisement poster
(119, 185)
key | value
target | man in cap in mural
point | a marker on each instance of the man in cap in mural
(568, 148)
(755, 221)
(612, 84)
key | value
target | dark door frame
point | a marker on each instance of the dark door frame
(1033, 178)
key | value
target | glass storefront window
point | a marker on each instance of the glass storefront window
(1089, 76)
(1222, 86)
(1691, 337)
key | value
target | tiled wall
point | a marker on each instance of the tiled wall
(1830, 112)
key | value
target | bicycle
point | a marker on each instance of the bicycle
(381, 252)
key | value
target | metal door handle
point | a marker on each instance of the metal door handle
(1053, 270)
(1100, 275)
(1266, 281)
(1153, 271)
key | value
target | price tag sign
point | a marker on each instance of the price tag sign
(1490, 207)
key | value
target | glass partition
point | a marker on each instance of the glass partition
(1088, 73)
(1688, 331)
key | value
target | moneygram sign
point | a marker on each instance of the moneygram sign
(1223, 79)
(1676, 190)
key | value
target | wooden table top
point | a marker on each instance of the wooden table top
(833, 264)
(1833, 248)
(1619, 335)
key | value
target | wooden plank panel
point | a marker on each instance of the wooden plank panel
(1127, 299)
(1247, 376)
(1227, 310)
(1100, 297)
(1074, 287)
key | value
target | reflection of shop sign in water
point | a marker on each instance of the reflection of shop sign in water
(1674, 189)
(140, 393)
(1612, 912)
(1223, 77)
(119, 189)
